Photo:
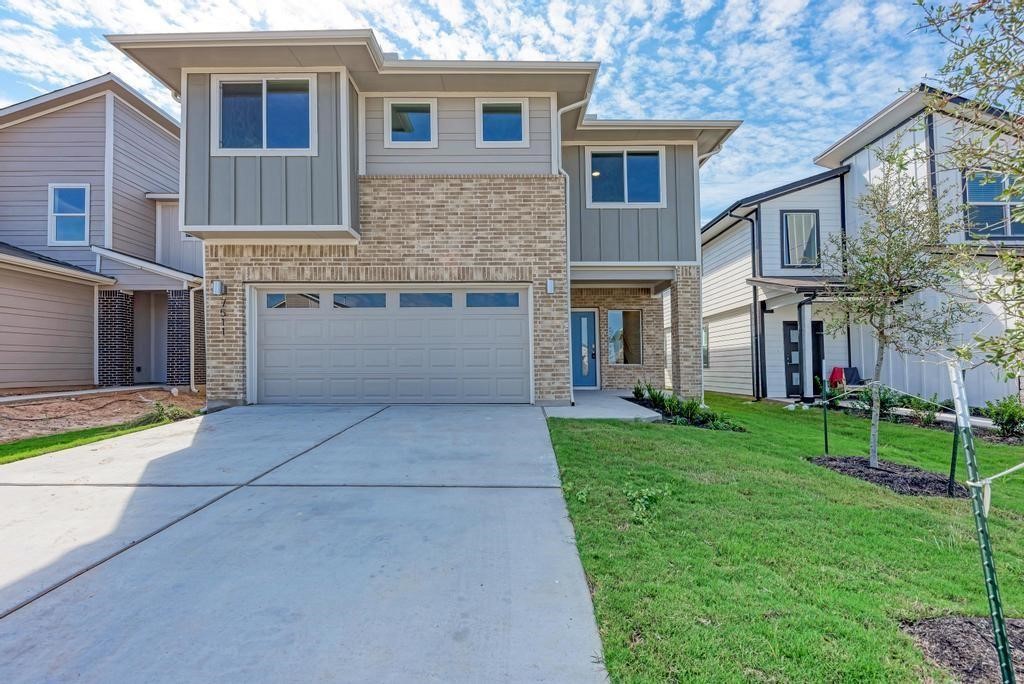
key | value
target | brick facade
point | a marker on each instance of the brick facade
(179, 356)
(685, 311)
(116, 336)
(431, 229)
(614, 376)
(199, 362)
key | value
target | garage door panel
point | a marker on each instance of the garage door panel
(408, 327)
(509, 358)
(443, 328)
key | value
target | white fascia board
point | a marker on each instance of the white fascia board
(63, 272)
(146, 266)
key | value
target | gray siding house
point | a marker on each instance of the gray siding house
(386, 230)
(100, 287)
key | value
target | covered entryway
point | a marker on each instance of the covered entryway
(414, 344)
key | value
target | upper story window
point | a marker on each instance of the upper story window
(990, 212)
(410, 122)
(800, 237)
(633, 177)
(68, 218)
(502, 122)
(262, 115)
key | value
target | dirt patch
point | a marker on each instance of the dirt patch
(964, 646)
(901, 479)
(51, 416)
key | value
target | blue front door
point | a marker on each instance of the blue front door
(584, 349)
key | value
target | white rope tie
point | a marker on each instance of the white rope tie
(986, 485)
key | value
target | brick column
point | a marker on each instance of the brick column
(199, 330)
(687, 369)
(178, 338)
(116, 321)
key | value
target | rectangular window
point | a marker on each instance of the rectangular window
(492, 299)
(800, 239)
(410, 123)
(705, 346)
(625, 178)
(68, 220)
(414, 300)
(502, 122)
(990, 211)
(351, 300)
(293, 300)
(625, 337)
(264, 115)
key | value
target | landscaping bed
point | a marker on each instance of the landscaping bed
(901, 479)
(964, 646)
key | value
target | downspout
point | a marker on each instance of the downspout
(708, 155)
(755, 328)
(568, 237)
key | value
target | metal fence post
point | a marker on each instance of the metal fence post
(824, 416)
(952, 460)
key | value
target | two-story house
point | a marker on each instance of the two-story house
(98, 284)
(388, 230)
(765, 309)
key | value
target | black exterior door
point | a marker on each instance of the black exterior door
(791, 350)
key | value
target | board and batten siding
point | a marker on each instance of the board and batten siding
(145, 160)
(175, 249)
(825, 198)
(456, 151)
(729, 343)
(668, 234)
(65, 146)
(46, 339)
(269, 190)
(727, 262)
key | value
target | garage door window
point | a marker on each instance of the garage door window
(293, 300)
(414, 300)
(350, 300)
(501, 300)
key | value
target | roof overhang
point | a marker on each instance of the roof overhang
(148, 266)
(165, 55)
(51, 269)
(653, 276)
(806, 285)
(707, 136)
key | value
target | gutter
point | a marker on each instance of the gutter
(568, 237)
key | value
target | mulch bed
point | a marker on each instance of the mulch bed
(901, 479)
(964, 646)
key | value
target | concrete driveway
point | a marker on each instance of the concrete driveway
(298, 544)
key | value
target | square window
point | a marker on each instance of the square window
(502, 123)
(625, 338)
(264, 115)
(348, 300)
(293, 300)
(414, 300)
(68, 215)
(411, 123)
(492, 299)
(992, 212)
(625, 178)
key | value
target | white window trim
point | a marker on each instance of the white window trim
(217, 151)
(523, 102)
(389, 143)
(608, 336)
(1006, 204)
(661, 204)
(51, 216)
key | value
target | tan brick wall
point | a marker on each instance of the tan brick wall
(687, 369)
(437, 229)
(615, 376)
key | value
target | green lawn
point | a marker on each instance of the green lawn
(37, 446)
(757, 565)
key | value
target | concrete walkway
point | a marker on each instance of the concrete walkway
(296, 544)
(603, 404)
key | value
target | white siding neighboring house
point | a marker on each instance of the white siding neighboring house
(783, 331)
(85, 171)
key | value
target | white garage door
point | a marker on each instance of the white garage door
(410, 345)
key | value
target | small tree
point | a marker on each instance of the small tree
(901, 249)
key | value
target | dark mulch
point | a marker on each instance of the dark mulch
(964, 646)
(901, 479)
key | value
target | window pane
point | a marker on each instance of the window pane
(643, 172)
(241, 115)
(288, 114)
(502, 122)
(624, 337)
(69, 200)
(410, 122)
(984, 187)
(300, 300)
(607, 183)
(1016, 197)
(346, 300)
(801, 239)
(987, 220)
(69, 228)
(425, 299)
(494, 299)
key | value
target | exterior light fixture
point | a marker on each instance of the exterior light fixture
(551, 286)
(217, 288)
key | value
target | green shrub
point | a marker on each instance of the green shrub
(638, 390)
(887, 400)
(658, 398)
(1007, 414)
(923, 410)
(160, 413)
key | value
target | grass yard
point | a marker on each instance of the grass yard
(721, 556)
(37, 446)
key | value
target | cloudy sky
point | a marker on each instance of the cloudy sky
(800, 73)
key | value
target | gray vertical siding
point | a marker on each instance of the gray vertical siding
(145, 160)
(668, 234)
(182, 253)
(353, 149)
(266, 190)
(65, 146)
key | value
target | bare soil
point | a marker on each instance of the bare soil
(901, 479)
(51, 416)
(964, 646)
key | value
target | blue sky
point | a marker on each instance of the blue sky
(800, 73)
